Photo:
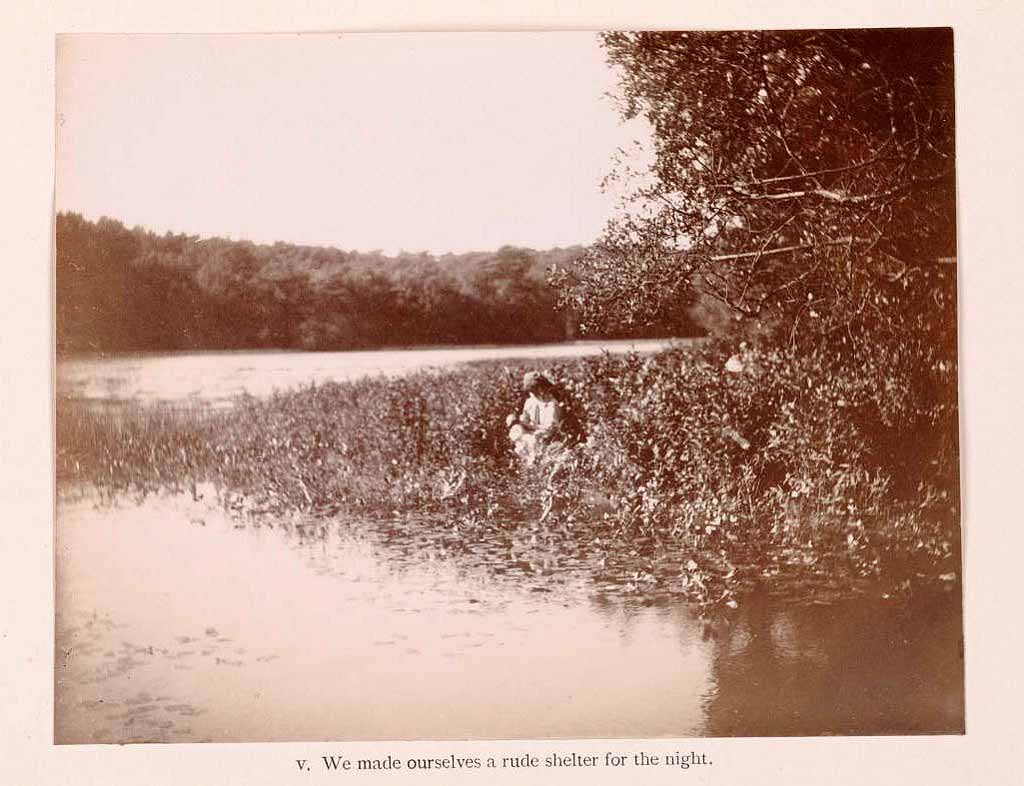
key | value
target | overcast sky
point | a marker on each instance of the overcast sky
(416, 142)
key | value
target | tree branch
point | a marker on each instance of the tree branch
(784, 249)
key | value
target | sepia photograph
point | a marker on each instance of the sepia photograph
(506, 386)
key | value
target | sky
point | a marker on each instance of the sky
(400, 142)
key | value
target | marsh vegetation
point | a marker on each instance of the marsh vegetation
(691, 478)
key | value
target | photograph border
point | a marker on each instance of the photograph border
(988, 68)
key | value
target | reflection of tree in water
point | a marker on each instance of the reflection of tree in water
(623, 613)
(860, 667)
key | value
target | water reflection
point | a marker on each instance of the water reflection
(181, 624)
(864, 667)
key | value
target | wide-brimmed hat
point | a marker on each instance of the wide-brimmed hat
(535, 380)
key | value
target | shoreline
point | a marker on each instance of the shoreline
(706, 513)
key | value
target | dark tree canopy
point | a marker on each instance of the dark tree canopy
(801, 178)
(121, 290)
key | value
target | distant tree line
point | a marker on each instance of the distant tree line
(123, 290)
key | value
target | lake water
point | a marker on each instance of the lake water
(179, 623)
(214, 377)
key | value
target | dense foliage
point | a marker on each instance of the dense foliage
(698, 474)
(129, 290)
(802, 196)
(803, 180)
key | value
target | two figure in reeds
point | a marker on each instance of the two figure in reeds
(536, 433)
(543, 432)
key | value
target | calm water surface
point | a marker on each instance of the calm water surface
(213, 377)
(179, 623)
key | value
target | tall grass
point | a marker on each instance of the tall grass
(702, 471)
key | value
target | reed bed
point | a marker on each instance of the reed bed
(705, 471)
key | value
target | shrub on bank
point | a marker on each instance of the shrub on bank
(766, 461)
(711, 468)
